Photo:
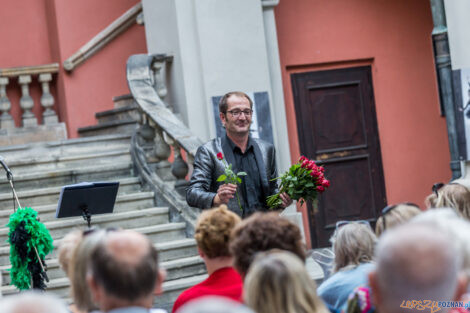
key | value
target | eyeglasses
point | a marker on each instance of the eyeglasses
(390, 207)
(236, 113)
(435, 188)
(342, 223)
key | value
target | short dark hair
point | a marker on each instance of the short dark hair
(263, 232)
(223, 100)
(121, 279)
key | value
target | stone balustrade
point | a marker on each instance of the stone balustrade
(161, 134)
(24, 76)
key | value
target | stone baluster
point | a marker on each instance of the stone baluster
(47, 100)
(26, 102)
(6, 121)
(179, 169)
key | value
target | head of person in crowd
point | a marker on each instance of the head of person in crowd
(213, 234)
(353, 244)
(452, 195)
(124, 271)
(214, 304)
(78, 268)
(458, 228)
(278, 281)
(415, 262)
(263, 232)
(395, 214)
(32, 302)
(67, 246)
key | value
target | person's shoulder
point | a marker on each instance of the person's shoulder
(262, 143)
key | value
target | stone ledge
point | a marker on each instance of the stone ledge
(39, 133)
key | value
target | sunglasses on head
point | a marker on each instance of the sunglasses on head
(435, 188)
(340, 224)
(390, 207)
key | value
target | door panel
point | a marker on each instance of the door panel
(337, 126)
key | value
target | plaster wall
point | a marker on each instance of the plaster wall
(459, 37)
(25, 42)
(394, 37)
(218, 46)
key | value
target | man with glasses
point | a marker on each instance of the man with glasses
(246, 154)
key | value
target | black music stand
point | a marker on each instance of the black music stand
(87, 199)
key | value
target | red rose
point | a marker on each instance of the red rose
(321, 168)
(325, 183)
(311, 164)
(320, 188)
(302, 158)
(313, 173)
(220, 156)
(304, 164)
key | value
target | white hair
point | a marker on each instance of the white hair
(416, 261)
(458, 228)
(32, 302)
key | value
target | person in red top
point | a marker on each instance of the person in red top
(212, 236)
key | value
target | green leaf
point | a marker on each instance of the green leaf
(239, 180)
(242, 174)
(222, 178)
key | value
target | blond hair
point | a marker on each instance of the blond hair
(353, 244)
(277, 281)
(81, 263)
(67, 246)
(213, 231)
(455, 196)
(397, 215)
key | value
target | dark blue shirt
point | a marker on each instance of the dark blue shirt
(251, 191)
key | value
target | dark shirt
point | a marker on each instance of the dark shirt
(251, 191)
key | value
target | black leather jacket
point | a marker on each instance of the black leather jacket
(207, 168)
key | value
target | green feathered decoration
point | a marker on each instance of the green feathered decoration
(27, 233)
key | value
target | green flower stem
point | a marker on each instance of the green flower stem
(238, 198)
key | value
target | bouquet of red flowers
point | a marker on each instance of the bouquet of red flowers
(303, 181)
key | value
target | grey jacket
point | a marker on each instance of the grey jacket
(207, 168)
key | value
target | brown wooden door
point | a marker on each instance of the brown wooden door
(337, 126)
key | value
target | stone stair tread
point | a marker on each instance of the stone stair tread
(74, 221)
(120, 198)
(165, 264)
(115, 110)
(51, 190)
(108, 124)
(169, 245)
(183, 283)
(67, 142)
(60, 158)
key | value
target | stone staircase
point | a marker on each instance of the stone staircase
(40, 169)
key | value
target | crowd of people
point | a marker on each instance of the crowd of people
(413, 261)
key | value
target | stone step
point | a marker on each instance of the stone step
(124, 202)
(173, 245)
(70, 161)
(124, 100)
(67, 147)
(183, 267)
(130, 219)
(173, 288)
(120, 126)
(48, 195)
(129, 112)
(68, 176)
